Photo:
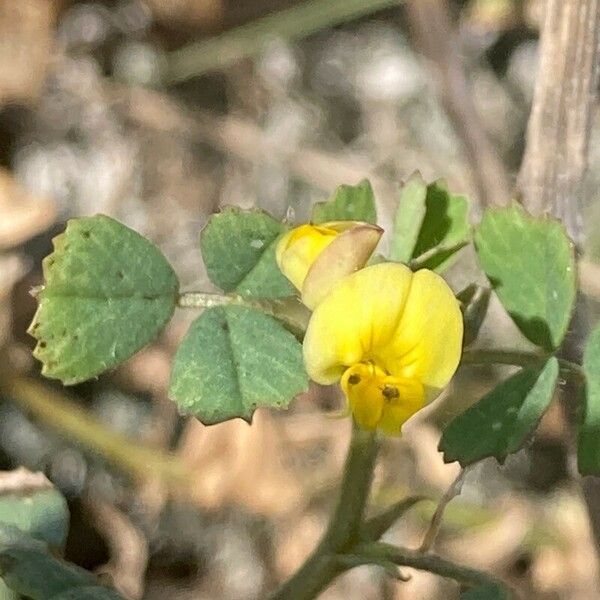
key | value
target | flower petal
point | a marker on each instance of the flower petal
(298, 249)
(360, 314)
(428, 342)
(362, 386)
(411, 399)
(349, 252)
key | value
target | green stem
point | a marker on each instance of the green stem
(354, 492)
(376, 526)
(248, 40)
(58, 412)
(436, 521)
(378, 552)
(208, 300)
(287, 310)
(343, 532)
(481, 356)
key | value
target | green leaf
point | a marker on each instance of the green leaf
(30, 502)
(233, 360)
(108, 292)
(348, 203)
(489, 591)
(502, 420)
(6, 593)
(531, 264)
(238, 249)
(430, 226)
(409, 218)
(29, 569)
(588, 451)
(474, 301)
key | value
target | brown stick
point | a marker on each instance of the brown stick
(435, 38)
(556, 155)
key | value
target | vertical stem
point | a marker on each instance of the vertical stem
(354, 491)
(552, 175)
(323, 566)
(558, 133)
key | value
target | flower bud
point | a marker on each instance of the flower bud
(315, 257)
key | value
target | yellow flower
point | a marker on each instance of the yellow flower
(315, 257)
(392, 338)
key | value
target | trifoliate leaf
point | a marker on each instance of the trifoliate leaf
(233, 360)
(107, 293)
(348, 203)
(531, 265)
(238, 249)
(502, 420)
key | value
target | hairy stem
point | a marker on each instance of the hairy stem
(287, 310)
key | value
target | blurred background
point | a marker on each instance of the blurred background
(158, 112)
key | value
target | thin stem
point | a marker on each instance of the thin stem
(376, 526)
(436, 521)
(248, 40)
(518, 359)
(58, 412)
(287, 310)
(482, 356)
(207, 300)
(378, 552)
(323, 565)
(438, 251)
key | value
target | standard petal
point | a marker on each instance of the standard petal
(359, 316)
(427, 343)
(298, 249)
(348, 253)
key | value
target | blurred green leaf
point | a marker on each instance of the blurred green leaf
(233, 360)
(348, 203)
(531, 265)
(30, 570)
(502, 420)
(489, 591)
(238, 249)
(430, 226)
(30, 502)
(474, 301)
(6, 593)
(108, 292)
(588, 452)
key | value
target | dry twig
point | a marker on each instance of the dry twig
(435, 38)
